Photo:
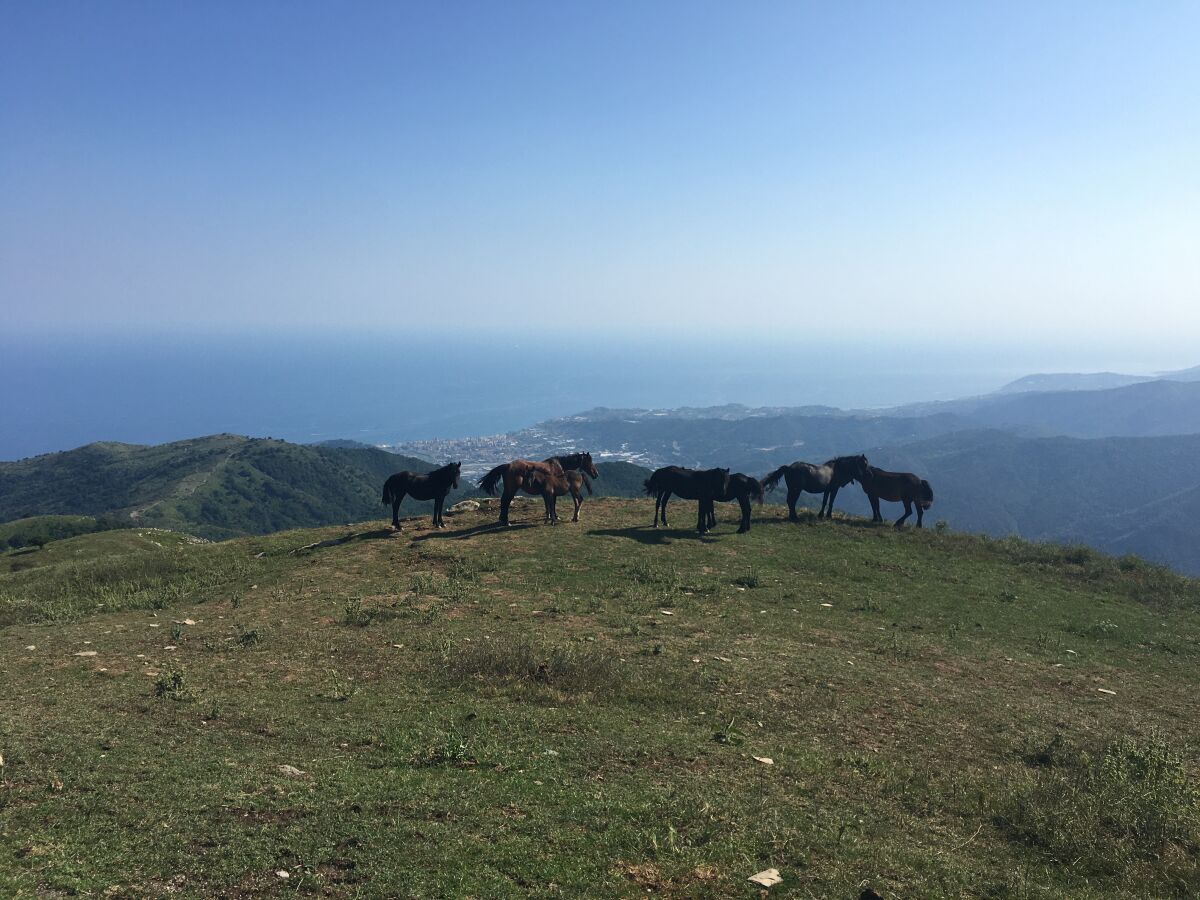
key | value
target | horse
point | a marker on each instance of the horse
(690, 484)
(547, 479)
(896, 487)
(743, 489)
(433, 486)
(574, 464)
(826, 479)
(573, 482)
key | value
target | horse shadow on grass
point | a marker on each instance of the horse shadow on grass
(645, 534)
(463, 533)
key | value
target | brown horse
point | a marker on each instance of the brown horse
(574, 482)
(546, 479)
(896, 487)
(826, 479)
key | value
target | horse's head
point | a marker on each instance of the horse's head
(586, 464)
(858, 467)
(455, 470)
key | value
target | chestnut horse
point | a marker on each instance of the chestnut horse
(896, 487)
(433, 486)
(690, 484)
(574, 482)
(825, 479)
(547, 479)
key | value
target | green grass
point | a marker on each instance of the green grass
(575, 711)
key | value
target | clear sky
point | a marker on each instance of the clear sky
(947, 170)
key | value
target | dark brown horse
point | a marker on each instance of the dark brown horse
(826, 479)
(432, 486)
(896, 487)
(743, 489)
(691, 484)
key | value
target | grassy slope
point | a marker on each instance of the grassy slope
(218, 486)
(897, 680)
(37, 530)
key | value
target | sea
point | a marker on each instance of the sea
(59, 391)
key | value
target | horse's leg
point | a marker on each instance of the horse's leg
(793, 497)
(701, 517)
(876, 515)
(832, 495)
(577, 497)
(744, 502)
(824, 501)
(907, 513)
(396, 501)
(437, 511)
(505, 501)
(665, 497)
(920, 513)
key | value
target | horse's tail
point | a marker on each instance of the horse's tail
(651, 490)
(587, 482)
(756, 490)
(387, 492)
(488, 482)
(926, 501)
(768, 483)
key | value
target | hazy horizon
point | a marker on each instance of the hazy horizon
(63, 392)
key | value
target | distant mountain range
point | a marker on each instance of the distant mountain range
(1114, 468)
(1093, 381)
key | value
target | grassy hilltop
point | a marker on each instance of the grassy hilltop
(586, 710)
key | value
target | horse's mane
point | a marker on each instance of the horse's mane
(446, 468)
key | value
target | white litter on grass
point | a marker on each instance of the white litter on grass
(31, 647)
(1072, 652)
(666, 612)
(86, 653)
(767, 877)
(765, 760)
(829, 605)
(291, 772)
(283, 873)
(1107, 691)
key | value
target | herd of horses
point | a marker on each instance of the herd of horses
(572, 473)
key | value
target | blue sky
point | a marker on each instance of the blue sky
(950, 170)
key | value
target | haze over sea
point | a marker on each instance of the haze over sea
(62, 392)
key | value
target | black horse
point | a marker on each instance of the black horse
(432, 486)
(743, 489)
(704, 485)
(826, 479)
(897, 487)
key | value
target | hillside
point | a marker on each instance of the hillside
(37, 530)
(216, 487)
(596, 710)
(1120, 495)
(225, 486)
